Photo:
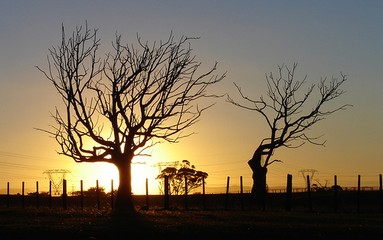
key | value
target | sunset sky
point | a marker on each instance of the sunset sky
(248, 39)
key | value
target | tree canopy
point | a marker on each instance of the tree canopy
(118, 104)
(178, 176)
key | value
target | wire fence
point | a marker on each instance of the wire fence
(311, 198)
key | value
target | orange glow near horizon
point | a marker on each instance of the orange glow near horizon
(142, 168)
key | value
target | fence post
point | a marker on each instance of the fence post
(7, 194)
(289, 189)
(166, 192)
(37, 194)
(111, 194)
(335, 193)
(203, 193)
(98, 195)
(81, 195)
(147, 193)
(50, 194)
(64, 195)
(309, 193)
(358, 196)
(241, 191)
(227, 193)
(186, 192)
(22, 196)
(380, 192)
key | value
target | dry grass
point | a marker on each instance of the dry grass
(175, 224)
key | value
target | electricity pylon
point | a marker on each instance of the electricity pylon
(162, 165)
(56, 176)
(308, 172)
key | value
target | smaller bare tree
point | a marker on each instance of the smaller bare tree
(289, 116)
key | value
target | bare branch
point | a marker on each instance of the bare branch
(286, 108)
(134, 98)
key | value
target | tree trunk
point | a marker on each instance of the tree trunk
(124, 201)
(259, 178)
(259, 188)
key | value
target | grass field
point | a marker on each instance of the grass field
(45, 223)
(223, 218)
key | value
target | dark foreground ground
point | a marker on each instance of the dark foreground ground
(160, 224)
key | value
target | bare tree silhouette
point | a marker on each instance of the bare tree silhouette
(289, 113)
(117, 107)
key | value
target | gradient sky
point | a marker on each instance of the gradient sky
(248, 39)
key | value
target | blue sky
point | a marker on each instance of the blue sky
(248, 39)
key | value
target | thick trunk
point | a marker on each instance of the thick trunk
(259, 178)
(259, 187)
(124, 201)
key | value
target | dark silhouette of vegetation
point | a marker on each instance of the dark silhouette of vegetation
(317, 187)
(91, 192)
(116, 107)
(178, 176)
(289, 113)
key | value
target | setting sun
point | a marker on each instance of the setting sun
(104, 173)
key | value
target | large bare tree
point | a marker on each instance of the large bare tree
(118, 105)
(289, 111)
